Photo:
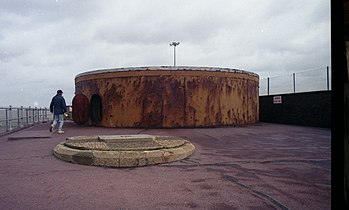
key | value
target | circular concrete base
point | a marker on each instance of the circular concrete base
(123, 150)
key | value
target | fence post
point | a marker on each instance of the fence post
(18, 120)
(34, 114)
(7, 122)
(294, 82)
(22, 123)
(268, 85)
(29, 114)
(10, 118)
(328, 79)
(26, 116)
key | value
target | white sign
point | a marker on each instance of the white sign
(277, 100)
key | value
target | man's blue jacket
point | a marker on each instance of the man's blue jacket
(57, 105)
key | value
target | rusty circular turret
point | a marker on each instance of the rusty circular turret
(167, 97)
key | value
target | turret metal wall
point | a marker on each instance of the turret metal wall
(172, 96)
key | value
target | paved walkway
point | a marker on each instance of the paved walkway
(263, 166)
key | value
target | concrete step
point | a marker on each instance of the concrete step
(30, 134)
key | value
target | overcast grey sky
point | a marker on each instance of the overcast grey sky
(44, 44)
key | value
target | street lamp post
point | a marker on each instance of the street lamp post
(174, 44)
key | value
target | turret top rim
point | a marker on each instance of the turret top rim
(166, 68)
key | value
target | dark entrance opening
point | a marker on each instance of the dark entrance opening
(96, 109)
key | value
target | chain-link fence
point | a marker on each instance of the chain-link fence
(304, 81)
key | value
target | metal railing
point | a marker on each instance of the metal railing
(13, 118)
(304, 81)
(69, 114)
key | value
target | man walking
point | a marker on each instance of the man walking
(58, 108)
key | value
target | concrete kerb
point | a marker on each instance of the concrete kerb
(120, 157)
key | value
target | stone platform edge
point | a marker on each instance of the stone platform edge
(123, 158)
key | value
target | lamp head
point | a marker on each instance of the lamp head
(174, 43)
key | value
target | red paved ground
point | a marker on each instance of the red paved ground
(263, 166)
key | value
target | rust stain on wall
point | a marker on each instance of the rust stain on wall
(173, 98)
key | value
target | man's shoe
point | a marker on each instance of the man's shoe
(51, 128)
(60, 132)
